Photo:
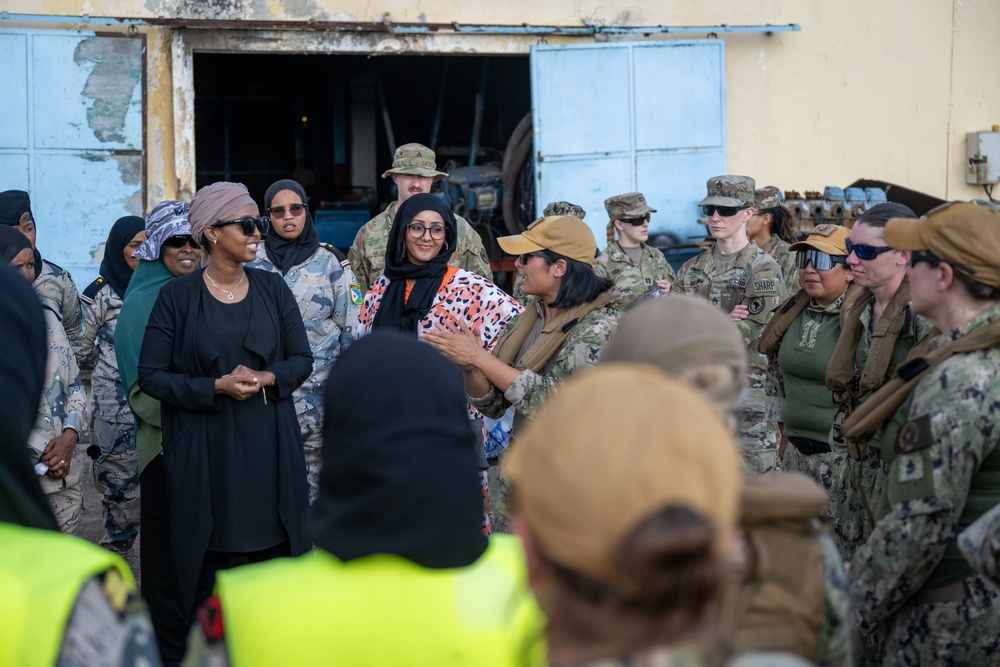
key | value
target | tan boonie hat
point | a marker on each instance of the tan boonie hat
(967, 236)
(729, 191)
(767, 197)
(563, 234)
(610, 449)
(564, 208)
(628, 205)
(416, 160)
(831, 239)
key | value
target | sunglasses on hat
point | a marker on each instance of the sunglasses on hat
(865, 252)
(725, 211)
(249, 223)
(821, 261)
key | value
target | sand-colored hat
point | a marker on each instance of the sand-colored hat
(416, 160)
(828, 238)
(563, 234)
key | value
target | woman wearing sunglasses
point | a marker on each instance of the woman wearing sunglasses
(328, 296)
(421, 293)
(799, 341)
(224, 351)
(746, 283)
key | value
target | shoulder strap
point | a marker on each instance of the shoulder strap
(770, 338)
(336, 253)
(884, 337)
(93, 288)
(840, 371)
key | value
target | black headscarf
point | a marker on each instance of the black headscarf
(401, 474)
(15, 208)
(288, 253)
(22, 372)
(114, 269)
(395, 312)
(12, 242)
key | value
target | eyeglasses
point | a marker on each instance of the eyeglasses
(635, 221)
(821, 261)
(279, 211)
(417, 231)
(916, 257)
(249, 223)
(523, 259)
(865, 252)
(180, 242)
(725, 211)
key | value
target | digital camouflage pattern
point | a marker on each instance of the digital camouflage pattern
(628, 205)
(367, 253)
(836, 637)
(63, 405)
(859, 490)
(632, 281)
(329, 299)
(785, 258)
(729, 191)
(752, 278)
(980, 544)
(564, 208)
(57, 291)
(767, 197)
(416, 160)
(953, 415)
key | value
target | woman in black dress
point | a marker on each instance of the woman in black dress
(223, 352)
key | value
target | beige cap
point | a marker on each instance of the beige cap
(563, 234)
(967, 236)
(610, 449)
(828, 238)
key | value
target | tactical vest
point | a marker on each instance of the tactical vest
(775, 601)
(383, 610)
(41, 574)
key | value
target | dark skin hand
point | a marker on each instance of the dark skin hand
(243, 382)
(58, 453)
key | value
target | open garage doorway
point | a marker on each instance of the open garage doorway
(331, 122)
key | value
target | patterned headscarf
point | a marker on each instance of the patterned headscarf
(166, 220)
(216, 202)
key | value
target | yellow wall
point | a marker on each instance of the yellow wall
(882, 90)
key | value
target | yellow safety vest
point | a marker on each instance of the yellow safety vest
(41, 574)
(383, 610)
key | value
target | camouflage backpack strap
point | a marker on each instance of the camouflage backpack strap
(93, 288)
(770, 338)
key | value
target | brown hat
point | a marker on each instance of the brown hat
(563, 234)
(416, 160)
(610, 449)
(828, 238)
(628, 205)
(965, 235)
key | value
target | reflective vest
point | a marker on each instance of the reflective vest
(383, 610)
(41, 574)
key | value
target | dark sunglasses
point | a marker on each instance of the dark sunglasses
(916, 257)
(279, 211)
(725, 211)
(821, 261)
(262, 224)
(865, 252)
(523, 259)
(636, 222)
(180, 242)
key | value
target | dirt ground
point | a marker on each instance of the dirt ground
(91, 526)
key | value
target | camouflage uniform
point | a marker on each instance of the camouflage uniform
(367, 253)
(329, 299)
(115, 469)
(750, 277)
(859, 489)
(552, 208)
(57, 291)
(632, 281)
(785, 258)
(952, 429)
(63, 406)
(980, 544)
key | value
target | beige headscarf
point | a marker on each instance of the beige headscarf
(681, 334)
(216, 202)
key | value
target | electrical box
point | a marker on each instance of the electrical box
(982, 150)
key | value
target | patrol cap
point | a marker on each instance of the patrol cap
(768, 197)
(415, 160)
(628, 205)
(828, 238)
(562, 234)
(967, 236)
(612, 448)
(15, 207)
(564, 208)
(729, 191)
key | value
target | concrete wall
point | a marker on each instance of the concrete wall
(882, 90)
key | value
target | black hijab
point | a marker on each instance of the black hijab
(288, 253)
(15, 208)
(114, 269)
(395, 312)
(12, 242)
(22, 372)
(401, 474)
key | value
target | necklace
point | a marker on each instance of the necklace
(223, 289)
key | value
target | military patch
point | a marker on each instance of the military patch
(763, 286)
(756, 305)
(914, 435)
(356, 293)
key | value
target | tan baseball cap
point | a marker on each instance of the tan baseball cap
(967, 236)
(562, 234)
(828, 238)
(610, 449)
(416, 160)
